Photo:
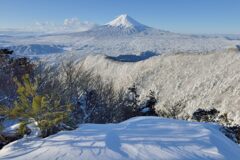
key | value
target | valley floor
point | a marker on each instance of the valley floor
(138, 138)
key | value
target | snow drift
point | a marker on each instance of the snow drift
(138, 138)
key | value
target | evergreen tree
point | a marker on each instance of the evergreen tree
(131, 103)
(150, 104)
(5, 51)
(49, 113)
(133, 98)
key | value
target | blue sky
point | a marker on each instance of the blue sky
(185, 16)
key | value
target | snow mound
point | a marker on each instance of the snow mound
(138, 138)
(10, 127)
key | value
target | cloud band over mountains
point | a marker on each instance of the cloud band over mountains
(68, 25)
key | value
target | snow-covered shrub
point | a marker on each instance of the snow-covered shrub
(49, 127)
(224, 119)
(172, 110)
(22, 130)
(202, 115)
(232, 132)
(213, 115)
(100, 103)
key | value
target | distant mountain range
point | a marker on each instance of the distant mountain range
(123, 35)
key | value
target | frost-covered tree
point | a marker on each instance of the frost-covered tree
(100, 102)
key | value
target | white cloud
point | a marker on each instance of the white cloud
(71, 21)
(68, 25)
(44, 27)
(75, 24)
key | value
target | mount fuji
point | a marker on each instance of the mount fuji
(121, 36)
(123, 25)
(127, 23)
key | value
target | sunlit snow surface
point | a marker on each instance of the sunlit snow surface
(141, 138)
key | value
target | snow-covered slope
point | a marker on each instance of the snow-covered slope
(124, 35)
(199, 81)
(141, 138)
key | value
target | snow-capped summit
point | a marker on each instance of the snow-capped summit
(123, 25)
(125, 21)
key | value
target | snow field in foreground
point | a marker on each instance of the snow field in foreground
(138, 138)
